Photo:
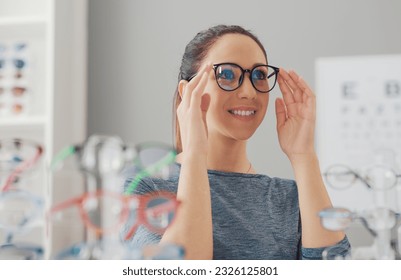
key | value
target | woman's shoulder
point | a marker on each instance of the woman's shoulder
(138, 184)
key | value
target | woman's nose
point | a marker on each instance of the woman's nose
(246, 90)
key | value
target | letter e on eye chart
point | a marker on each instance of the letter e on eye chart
(359, 119)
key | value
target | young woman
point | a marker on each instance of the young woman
(228, 210)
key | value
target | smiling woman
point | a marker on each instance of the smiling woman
(228, 210)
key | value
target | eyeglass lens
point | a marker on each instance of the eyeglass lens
(17, 210)
(103, 211)
(107, 212)
(13, 252)
(340, 177)
(230, 77)
(336, 218)
(381, 177)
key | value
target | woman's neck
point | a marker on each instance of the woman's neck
(229, 155)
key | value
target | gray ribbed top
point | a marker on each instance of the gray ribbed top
(254, 216)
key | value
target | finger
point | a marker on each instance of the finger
(305, 87)
(291, 80)
(281, 113)
(185, 97)
(285, 89)
(308, 97)
(189, 87)
(199, 90)
(205, 102)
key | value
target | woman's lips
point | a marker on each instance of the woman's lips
(242, 114)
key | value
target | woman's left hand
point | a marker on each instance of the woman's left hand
(296, 115)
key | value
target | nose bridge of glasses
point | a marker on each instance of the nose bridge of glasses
(249, 90)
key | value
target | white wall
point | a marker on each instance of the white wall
(132, 41)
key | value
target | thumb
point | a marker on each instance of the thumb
(281, 113)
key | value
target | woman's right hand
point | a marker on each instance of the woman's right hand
(191, 114)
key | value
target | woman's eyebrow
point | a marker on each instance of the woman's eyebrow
(258, 64)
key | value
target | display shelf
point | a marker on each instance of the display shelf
(6, 22)
(23, 121)
(53, 114)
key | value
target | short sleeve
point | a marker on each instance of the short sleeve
(342, 249)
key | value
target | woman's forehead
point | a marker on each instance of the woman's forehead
(237, 48)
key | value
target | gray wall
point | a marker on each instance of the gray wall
(132, 41)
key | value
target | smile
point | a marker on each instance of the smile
(242, 112)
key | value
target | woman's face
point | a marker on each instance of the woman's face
(235, 114)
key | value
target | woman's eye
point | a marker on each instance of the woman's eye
(258, 75)
(226, 74)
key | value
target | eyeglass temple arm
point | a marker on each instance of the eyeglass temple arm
(61, 206)
(62, 155)
(361, 178)
(366, 224)
(9, 237)
(149, 171)
(66, 204)
(162, 208)
(20, 168)
(131, 231)
(276, 71)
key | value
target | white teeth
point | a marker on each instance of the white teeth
(242, 113)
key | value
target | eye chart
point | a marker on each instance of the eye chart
(359, 121)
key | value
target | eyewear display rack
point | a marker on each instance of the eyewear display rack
(51, 37)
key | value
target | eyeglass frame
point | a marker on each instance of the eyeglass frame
(36, 251)
(79, 149)
(124, 216)
(128, 252)
(24, 165)
(340, 212)
(276, 70)
(26, 222)
(358, 176)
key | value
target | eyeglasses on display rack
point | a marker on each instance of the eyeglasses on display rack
(110, 155)
(116, 251)
(19, 211)
(104, 212)
(338, 219)
(378, 177)
(375, 220)
(21, 251)
(17, 157)
(230, 76)
(153, 210)
(151, 170)
(16, 91)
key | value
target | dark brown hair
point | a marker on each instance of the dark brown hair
(195, 52)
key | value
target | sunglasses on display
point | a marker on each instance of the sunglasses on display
(16, 91)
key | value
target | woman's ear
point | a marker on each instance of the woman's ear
(181, 87)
